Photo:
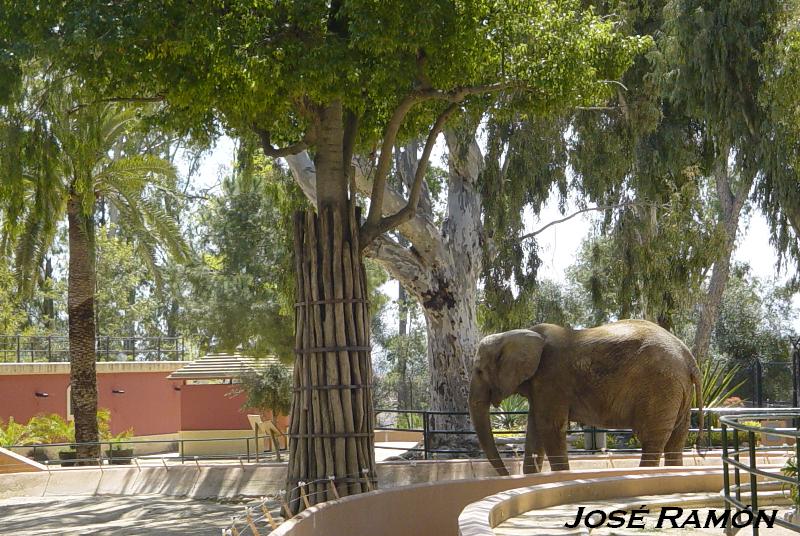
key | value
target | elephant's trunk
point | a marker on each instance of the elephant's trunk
(479, 411)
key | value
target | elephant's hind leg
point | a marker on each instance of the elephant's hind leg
(653, 443)
(673, 451)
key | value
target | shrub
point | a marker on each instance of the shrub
(790, 470)
(14, 433)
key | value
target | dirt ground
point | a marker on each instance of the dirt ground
(117, 515)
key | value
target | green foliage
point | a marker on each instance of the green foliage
(790, 469)
(410, 421)
(401, 361)
(12, 315)
(755, 320)
(718, 384)
(242, 287)
(53, 147)
(52, 428)
(126, 302)
(268, 389)
(14, 433)
(511, 422)
(271, 64)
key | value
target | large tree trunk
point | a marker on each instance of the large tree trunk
(731, 200)
(445, 285)
(453, 338)
(83, 375)
(440, 269)
(331, 429)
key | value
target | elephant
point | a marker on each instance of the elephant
(626, 374)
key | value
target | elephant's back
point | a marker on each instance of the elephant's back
(625, 364)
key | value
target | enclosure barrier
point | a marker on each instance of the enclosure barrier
(55, 348)
(731, 457)
(424, 422)
(120, 451)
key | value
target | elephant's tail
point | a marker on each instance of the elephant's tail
(698, 394)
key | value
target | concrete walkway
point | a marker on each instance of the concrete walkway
(118, 515)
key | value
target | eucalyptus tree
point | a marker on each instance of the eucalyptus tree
(716, 63)
(693, 125)
(338, 78)
(55, 157)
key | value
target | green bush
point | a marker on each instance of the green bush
(52, 428)
(790, 470)
(14, 433)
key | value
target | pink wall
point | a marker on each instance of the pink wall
(18, 396)
(210, 407)
(150, 404)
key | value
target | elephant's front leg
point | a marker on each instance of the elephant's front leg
(533, 447)
(552, 430)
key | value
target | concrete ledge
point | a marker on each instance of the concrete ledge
(19, 369)
(432, 508)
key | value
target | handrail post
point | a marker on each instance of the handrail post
(18, 353)
(425, 435)
(751, 437)
(158, 347)
(736, 476)
(726, 477)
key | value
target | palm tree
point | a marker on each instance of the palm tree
(60, 157)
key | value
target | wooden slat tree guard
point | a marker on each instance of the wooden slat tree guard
(331, 430)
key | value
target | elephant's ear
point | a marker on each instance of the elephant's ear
(518, 359)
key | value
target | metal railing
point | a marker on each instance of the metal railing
(424, 422)
(752, 423)
(123, 451)
(55, 348)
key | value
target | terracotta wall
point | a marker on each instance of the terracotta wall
(216, 407)
(18, 395)
(150, 404)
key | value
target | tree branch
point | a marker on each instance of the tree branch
(403, 264)
(599, 208)
(385, 159)
(275, 152)
(374, 218)
(370, 231)
(420, 231)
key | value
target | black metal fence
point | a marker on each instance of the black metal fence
(752, 424)
(587, 440)
(55, 348)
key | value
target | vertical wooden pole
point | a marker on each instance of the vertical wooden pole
(331, 430)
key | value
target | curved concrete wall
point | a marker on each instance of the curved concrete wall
(479, 518)
(432, 508)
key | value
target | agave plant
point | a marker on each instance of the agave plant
(718, 382)
(511, 422)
